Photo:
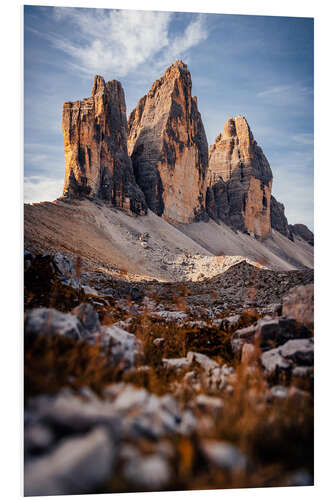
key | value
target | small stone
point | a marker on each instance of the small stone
(88, 317)
(208, 403)
(158, 342)
(177, 364)
(204, 361)
(303, 372)
(150, 472)
(230, 323)
(224, 455)
(279, 392)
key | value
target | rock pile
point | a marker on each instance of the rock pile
(168, 379)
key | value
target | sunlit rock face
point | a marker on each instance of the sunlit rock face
(239, 180)
(97, 164)
(168, 147)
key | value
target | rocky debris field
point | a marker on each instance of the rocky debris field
(145, 386)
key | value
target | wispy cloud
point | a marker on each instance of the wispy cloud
(275, 90)
(305, 139)
(283, 90)
(39, 188)
(116, 43)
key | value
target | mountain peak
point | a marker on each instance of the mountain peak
(240, 179)
(168, 147)
(98, 84)
(97, 164)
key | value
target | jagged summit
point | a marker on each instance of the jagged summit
(240, 180)
(160, 159)
(97, 164)
(168, 147)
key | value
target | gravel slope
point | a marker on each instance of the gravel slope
(148, 246)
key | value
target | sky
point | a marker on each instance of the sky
(257, 66)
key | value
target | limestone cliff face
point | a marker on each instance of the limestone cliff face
(97, 164)
(239, 180)
(168, 147)
(278, 219)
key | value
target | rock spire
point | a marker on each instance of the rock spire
(239, 180)
(168, 147)
(97, 164)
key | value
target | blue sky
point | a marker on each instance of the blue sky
(257, 66)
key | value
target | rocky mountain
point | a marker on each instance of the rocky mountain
(160, 159)
(168, 147)
(97, 164)
(303, 232)
(240, 180)
(178, 344)
(278, 219)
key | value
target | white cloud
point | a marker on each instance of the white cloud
(38, 188)
(115, 43)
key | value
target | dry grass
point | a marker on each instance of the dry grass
(54, 362)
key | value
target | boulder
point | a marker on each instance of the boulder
(300, 351)
(45, 321)
(273, 362)
(126, 349)
(89, 318)
(77, 465)
(292, 354)
(51, 281)
(268, 333)
(73, 414)
(299, 304)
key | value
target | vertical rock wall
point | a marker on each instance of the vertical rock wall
(240, 180)
(168, 147)
(279, 221)
(97, 164)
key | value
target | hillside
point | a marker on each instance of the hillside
(150, 247)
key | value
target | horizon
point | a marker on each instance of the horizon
(274, 92)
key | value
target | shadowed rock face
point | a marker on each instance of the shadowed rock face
(97, 164)
(168, 147)
(278, 219)
(240, 180)
(303, 231)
